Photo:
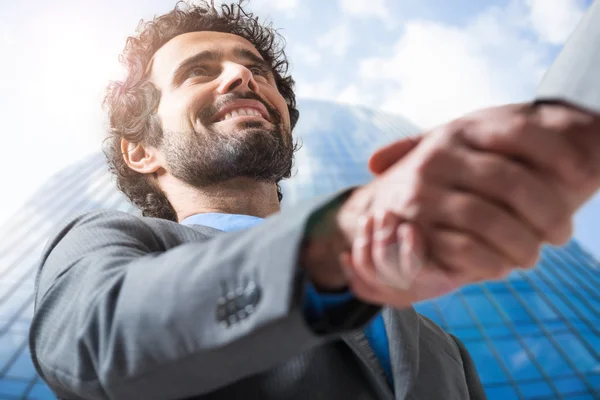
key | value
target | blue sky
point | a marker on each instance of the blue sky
(429, 60)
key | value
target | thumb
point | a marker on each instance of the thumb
(386, 156)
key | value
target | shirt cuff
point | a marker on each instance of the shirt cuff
(316, 303)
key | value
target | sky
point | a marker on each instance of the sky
(428, 60)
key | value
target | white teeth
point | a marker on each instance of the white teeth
(241, 112)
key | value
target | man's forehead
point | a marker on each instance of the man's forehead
(189, 44)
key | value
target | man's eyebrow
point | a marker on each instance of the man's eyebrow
(203, 56)
(245, 54)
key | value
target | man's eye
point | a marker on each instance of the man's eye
(197, 72)
(258, 71)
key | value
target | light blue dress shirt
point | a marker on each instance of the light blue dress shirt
(316, 303)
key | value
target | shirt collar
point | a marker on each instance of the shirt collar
(223, 222)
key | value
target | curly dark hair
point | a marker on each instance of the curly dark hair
(132, 103)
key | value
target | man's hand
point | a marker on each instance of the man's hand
(485, 191)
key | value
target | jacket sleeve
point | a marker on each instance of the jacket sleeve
(575, 75)
(126, 309)
(476, 391)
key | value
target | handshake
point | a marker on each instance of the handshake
(468, 201)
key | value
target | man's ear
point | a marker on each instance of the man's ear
(140, 158)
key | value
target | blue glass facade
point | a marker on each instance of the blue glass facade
(534, 335)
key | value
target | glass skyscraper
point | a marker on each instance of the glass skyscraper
(535, 335)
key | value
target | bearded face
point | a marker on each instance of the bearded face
(221, 111)
(232, 140)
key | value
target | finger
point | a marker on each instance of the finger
(471, 259)
(582, 130)
(365, 282)
(432, 281)
(385, 251)
(518, 133)
(388, 155)
(428, 282)
(412, 251)
(540, 200)
(361, 246)
(357, 282)
(489, 223)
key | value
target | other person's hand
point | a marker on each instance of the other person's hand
(481, 197)
(550, 137)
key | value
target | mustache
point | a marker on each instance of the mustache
(206, 113)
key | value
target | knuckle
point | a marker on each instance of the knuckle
(416, 200)
(574, 163)
(432, 161)
(585, 170)
(513, 183)
(505, 178)
(465, 205)
(558, 225)
(501, 272)
(562, 231)
(464, 246)
(531, 257)
(519, 125)
(474, 213)
(456, 129)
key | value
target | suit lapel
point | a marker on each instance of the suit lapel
(359, 344)
(402, 329)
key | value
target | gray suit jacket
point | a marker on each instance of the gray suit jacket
(142, 308)
(575, 75)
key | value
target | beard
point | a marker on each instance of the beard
(257, 150)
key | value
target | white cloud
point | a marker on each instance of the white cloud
(355, 93)
(555, 20)
(436, 72)
(351, 95)
(367, 9)
(264, 8)
(337, 40)
(6, 39)
(320, 90)
(280, 5)
(306, 55)
(268, 5)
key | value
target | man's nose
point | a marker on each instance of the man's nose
(236, 76)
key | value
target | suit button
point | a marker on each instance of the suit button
(252, 293)
(238, 304)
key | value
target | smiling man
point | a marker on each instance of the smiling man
(215, 294)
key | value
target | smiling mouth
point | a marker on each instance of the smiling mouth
(241, 112)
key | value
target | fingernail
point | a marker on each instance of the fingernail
(411, 259)
(384, 228)
(362, 221)
(361, 240)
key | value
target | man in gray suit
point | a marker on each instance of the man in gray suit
(214, 293)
